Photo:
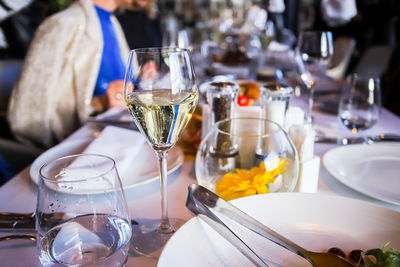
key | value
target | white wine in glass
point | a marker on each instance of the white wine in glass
(161, 94)
(161, 115)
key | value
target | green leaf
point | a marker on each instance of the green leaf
(378, 254)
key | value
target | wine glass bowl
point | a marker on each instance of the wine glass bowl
(313, 55)
(316, 49)
(82, 218)
(244, 144)
(360, 103)
(161, 95)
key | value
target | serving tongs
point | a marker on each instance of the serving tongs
(204, 203)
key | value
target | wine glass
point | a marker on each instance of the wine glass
(161, 94)
(360, 103)
(315, 50)
(82, 217)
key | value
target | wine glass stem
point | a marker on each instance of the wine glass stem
(310, 105)
(165, 226)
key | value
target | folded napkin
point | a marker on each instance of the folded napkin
(303, 139)
(120, 144)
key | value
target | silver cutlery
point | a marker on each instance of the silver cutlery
(358, 140)
(22, 222)
(17, 222)
(198, 208)
(202, 202)
(11, 237)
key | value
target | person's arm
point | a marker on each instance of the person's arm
(35, 96)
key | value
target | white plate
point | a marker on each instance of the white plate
(118, 114)
(137, 176)
(315, 221)
(369, 169)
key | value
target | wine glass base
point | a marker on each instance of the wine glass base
(146, 241)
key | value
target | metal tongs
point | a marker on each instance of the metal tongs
(204, 203)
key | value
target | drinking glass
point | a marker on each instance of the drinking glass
(161, 94)
(315, 50)
(360, 103)
(82, 217)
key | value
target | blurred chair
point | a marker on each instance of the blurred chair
(9, 73)
(343, 48)
(374, 61)
(17, 155)
(10, 70)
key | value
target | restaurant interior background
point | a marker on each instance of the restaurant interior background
(374, 30)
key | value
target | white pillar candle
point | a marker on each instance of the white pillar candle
(250, 128)
(247, 112)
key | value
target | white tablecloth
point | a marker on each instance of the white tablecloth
(19, 194)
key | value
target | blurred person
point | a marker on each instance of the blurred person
(74, 67)
(5, 171)
(256, 17)
(276, 8)
(390, 82)
(141, 23)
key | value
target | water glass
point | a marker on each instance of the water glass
(82, 216)
(360, 103)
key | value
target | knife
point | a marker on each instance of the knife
(25, 222)
(357, 140)
(17, 222)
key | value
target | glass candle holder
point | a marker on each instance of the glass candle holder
(260, 146)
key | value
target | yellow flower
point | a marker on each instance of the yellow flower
(246, 183)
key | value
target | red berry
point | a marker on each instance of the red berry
(243, 100)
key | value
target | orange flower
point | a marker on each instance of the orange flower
(246, 183)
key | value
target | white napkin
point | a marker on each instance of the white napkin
(294, 116)
(120, 144)
(303, 139)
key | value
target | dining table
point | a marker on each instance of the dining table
(19, 194)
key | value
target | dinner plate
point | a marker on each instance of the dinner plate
(369, 169)
(315, 221)
(147, 161)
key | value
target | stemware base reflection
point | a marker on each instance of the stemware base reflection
(146, 241)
